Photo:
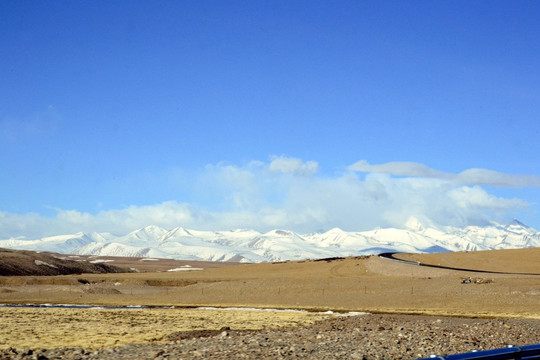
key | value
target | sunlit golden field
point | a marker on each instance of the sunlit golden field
(98, 328)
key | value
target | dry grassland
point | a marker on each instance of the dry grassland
(514, 260)
(368, 284)
(354, 284)
(50, 328)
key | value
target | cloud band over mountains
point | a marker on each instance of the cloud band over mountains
(292, 194)
(482, 177)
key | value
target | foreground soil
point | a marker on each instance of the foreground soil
(360, 337)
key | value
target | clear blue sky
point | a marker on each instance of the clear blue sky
(225, 114)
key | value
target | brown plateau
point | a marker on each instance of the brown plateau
(366, 284)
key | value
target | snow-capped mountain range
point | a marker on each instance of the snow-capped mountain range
(279, 245)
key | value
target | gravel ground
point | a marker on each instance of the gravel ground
(360, 337)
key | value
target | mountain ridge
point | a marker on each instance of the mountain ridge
(279, 245)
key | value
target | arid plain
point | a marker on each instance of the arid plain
(507, 287)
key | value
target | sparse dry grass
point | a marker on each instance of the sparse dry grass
(98, 328)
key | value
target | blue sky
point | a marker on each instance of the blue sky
(303, 115)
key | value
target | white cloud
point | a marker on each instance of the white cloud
(398, 168)
(476, 198)
(495, 178)
(168, 214)
(293, 166)
(467, 177)
(264, 196)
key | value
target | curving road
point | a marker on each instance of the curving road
(390, 256)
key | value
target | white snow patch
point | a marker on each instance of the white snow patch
(347, 314)
(250, 309)
(39, 262)
(100, 261)
(149, 259)
(185, 269)
(329, 313)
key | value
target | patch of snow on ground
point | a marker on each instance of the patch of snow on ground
(100, 261)
(185, 269)
(250, 309)
(149, 259)
(351, 313)
(39, 262)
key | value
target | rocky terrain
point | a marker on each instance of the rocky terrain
(360, 337)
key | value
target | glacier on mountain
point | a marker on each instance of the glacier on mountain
(281, 245)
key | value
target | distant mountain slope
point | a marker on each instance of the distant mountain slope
(22, 263)
(280, 245)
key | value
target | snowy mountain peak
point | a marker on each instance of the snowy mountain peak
(152, 229)
(279, 245)
(179, 232)
(281, 233)
(414, 224)
(335, 231)
(148, 231)
(518, 227)
(516, 223)
(75, 235)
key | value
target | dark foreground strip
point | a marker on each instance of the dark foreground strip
(527, 352)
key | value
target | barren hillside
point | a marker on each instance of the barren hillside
(23, 263)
